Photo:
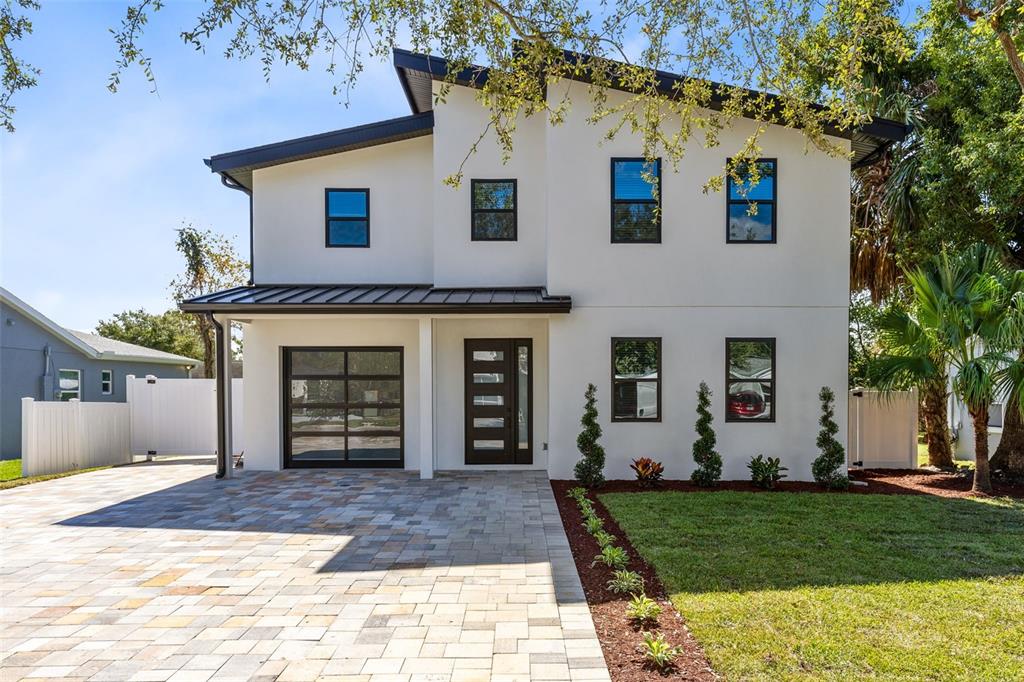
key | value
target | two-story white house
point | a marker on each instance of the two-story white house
(394, 321)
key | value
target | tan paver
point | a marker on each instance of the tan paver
(159, 572)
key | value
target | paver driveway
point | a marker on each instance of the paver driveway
(159, 572)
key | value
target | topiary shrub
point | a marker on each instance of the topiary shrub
(827, 466)
(590, 469)
(709, 462)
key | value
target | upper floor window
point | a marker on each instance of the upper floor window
(750, 380)
(750, 207)
(69, 384)
(636, 196)
(494, 210)
(348, 217)
(636, 379)
(106, 381)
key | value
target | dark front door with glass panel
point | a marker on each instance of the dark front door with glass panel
(343, 407)
(499, 401)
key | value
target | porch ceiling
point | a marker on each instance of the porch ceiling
(378, 299)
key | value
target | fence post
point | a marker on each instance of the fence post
(28, 435)
(129, 399)
(151, 381)
(77, 433)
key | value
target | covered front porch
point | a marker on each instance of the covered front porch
(462, 385)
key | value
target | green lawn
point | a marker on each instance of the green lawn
(831, 586)
(10, 469)
(10, 474)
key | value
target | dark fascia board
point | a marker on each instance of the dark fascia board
(437, 67)
(380, 132)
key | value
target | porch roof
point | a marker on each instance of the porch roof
(378, 299)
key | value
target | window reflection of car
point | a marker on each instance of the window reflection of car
(746, 400)
(647, 400)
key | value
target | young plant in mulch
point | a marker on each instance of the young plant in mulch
(590, 469)
(612, 557)
(709, 462)
(659, 653)
(603, 538)
(593, 524)
(642, 609)
(648, 471)
(626, 582)
(826, 467)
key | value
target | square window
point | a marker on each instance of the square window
(106, 381)
(347, 217)
(636, 379)
(750, 204)
(69, 384)
(494, 210)
(750, 380)
(636, 199)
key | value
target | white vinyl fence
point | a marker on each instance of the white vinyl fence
(161, 417)
(883, 429)
(63, 436)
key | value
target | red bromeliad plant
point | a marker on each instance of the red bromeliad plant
(648, 471)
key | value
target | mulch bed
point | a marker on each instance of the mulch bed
(621, 641)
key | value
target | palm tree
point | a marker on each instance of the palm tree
(966, 313)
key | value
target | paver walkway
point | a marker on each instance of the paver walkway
(159, 572)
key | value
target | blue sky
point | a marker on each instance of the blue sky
(93, 184)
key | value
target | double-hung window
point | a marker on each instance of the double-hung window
(751, 203)
(750, 380)
(106, 381)
(636, 379)
(493, 210)
(69, 384)
(636, 201)
(347, 217)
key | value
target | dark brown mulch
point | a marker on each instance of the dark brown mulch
(621, 641)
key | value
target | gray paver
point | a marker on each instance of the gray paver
(159, 572)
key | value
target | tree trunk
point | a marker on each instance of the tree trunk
(936, 421)
(209, 353)
(1009, 455)
(982, 484)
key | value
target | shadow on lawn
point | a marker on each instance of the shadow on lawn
(739, 542)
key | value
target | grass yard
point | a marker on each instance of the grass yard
(815, 586)
(10, 474)
(10, 469)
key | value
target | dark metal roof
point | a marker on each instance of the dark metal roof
(378, 299)
(240, 164)
(418, 70)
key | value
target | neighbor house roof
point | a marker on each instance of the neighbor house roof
(379, 298)
(93, 345)
(416, 72)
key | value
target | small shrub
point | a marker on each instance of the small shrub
(827, 466)
(590, 469)
(604, 538)
(643, 609)
(623, 582)
(709, 462)
(648, 471)
(660, 653)
(766, 472)
(578, 493)
(612, 557)
(593, 524)
(587, 509)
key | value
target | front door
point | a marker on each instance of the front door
(499, 401)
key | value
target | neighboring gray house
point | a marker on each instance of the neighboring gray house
(42, 360)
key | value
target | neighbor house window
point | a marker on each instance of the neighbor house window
(750, 380)
(750, 209)
(636, 196)
(106, 381)
(493, 210)
(348, 217)
(995, 415)
(69, 384)
(636, 379)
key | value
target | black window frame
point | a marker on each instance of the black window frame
(774, 201)
(474, 211)
(613, 201)
(615, 381)
(729, 381)
(286, 407)
(328, 218)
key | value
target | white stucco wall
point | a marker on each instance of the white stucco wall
(288, 217)
(811, 348)
(459, 261)
(264, 341)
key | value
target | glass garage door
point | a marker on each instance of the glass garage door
(343, 407)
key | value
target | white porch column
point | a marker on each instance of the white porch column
(426, 402)
(225, 365)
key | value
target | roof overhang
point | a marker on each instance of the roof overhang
(417, 71)
(379, 299)
(239, 165)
